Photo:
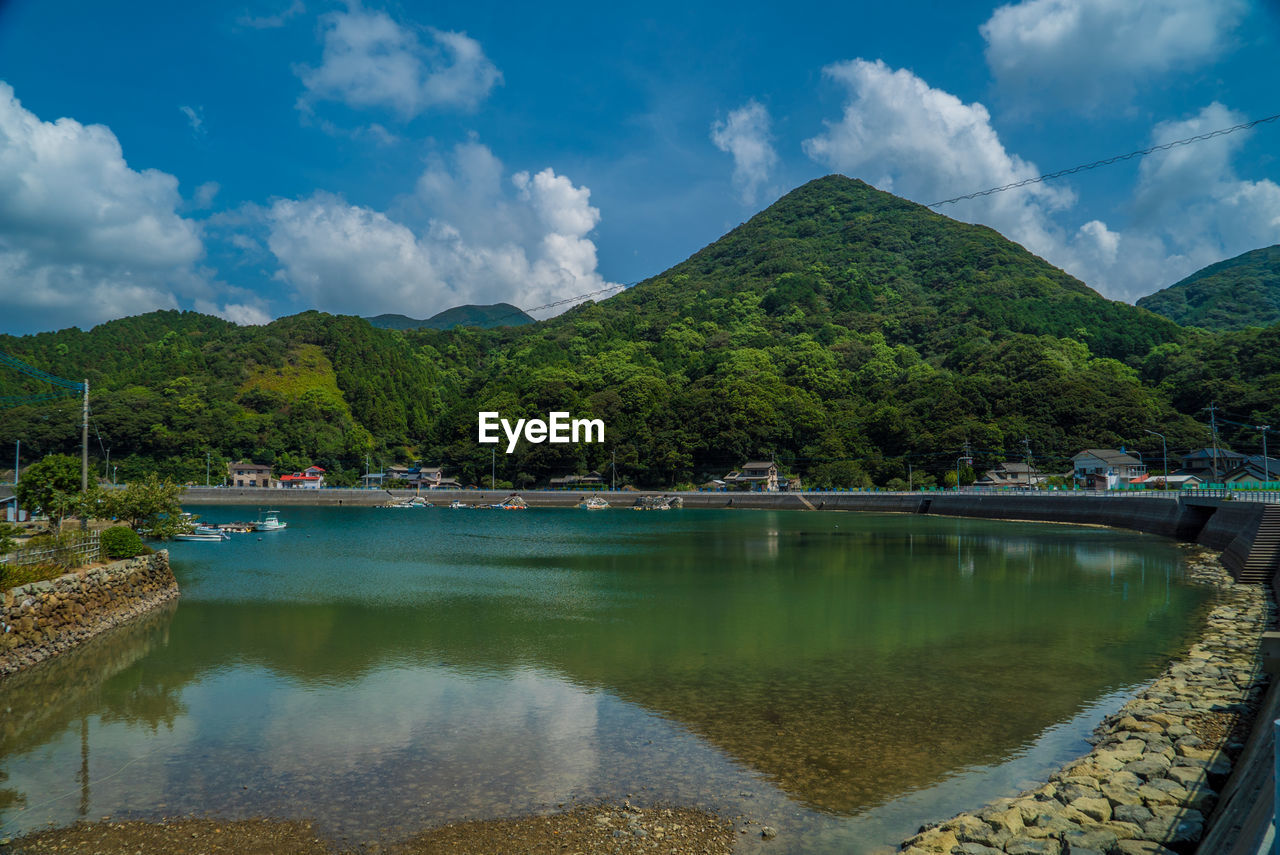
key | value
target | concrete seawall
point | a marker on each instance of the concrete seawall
(43, 619)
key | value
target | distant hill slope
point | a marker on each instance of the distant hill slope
(1240, 292)
(485, 317)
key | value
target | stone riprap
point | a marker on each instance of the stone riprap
(43, 619)
(1157, 764)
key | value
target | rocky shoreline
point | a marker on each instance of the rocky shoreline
(1157, 764)
(42, 619)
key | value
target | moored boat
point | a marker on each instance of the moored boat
(270, 522)
(595, 503)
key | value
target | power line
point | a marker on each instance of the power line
(1108, 161)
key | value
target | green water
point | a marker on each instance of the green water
(843, 677)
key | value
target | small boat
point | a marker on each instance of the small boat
(595, 503)
(458, 505)
(203, 537)
(270, 522)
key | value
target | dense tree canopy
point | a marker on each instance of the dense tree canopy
(855, 337)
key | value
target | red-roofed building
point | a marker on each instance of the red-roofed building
(311, 479)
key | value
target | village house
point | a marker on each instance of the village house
(1012, 474)
(1210, 465)
(312, 478)
(244, 474)
(432, 478)
(1253, 472)
(592, 480)
(760, 475)
(1106, 468)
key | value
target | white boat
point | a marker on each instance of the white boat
(458, 505)
(270, 522)
(595, 503)
(202, 537)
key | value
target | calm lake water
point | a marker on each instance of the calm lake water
(842, 677)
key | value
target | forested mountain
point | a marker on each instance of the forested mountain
(847, 332)
(1240, 292)
(485, 317)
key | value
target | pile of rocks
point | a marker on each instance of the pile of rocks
(1157, 765)
(42, 619)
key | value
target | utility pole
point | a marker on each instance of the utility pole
(84, 442)
(908, 476)
(1213, 426)
(1164, 446)
(206, 469)
(614, 466)
(1026, 443)
(1266, 461)
(17, 453)
(493, 468)
(967, 459)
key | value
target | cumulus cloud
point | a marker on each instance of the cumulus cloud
(1087, 53)
(369, 60)
(205, 194)
(1189, 208)
(904, 136)
(83, 237)
(474, 236)
(745, 135)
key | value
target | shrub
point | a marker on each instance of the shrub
(11, 575)
(122, 542)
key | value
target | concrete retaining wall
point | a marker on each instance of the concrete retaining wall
(43, 619)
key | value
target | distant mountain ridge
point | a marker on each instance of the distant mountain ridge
(484, 317)
(1233, 294)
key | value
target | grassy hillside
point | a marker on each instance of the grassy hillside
(1234, 294)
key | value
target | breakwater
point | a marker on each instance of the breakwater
(1159, 763)
(43, 619)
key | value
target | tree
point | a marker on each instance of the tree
(150, 505)
(51, 486)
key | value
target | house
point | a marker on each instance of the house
(1011, 474)
(760, 475)
(1174, 482)
(1253, 471)
(432, 478)
(244, 474)
(1106, 468)
(312, 478)
(1210, 464)
(592, 480)
(399, 473)
(372, 479)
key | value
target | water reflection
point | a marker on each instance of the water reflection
(436, 666)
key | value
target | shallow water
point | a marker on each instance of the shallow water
(843, 677)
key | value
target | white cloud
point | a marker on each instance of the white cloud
(1086, 53)
(195, 118)
(252, 314)
(83, 237)
(1189, 207)
(205, 194)
(908, 138)
(269, 22)
(478, 239)
(371, 61)
(745, 135)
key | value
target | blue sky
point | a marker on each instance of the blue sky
(255, 159)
